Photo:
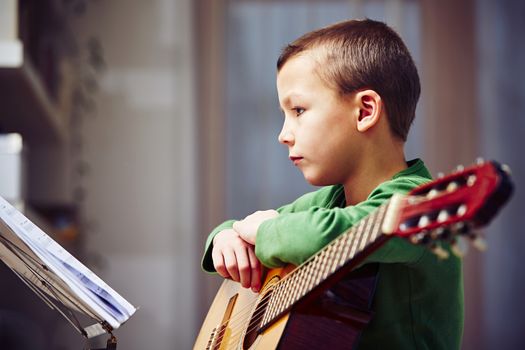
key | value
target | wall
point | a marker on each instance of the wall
(501, 94)
(139, 146)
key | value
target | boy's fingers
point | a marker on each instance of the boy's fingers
(243, 265)
(231, 264)
(218, 263)
(256, 270)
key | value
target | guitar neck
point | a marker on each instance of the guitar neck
(354, 244)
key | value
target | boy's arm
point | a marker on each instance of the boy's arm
(300, 204)
(295, 237)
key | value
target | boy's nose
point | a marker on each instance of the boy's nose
(286, 136)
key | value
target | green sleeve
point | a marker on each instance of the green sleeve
(324, 197)
(302, 203)
(293, 237)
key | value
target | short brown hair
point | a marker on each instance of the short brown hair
(366, 54)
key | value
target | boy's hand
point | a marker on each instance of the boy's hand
(247, 228)
(235, 258)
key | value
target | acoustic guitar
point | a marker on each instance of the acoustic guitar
(294, 301)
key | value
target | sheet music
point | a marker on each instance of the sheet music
(44, 264)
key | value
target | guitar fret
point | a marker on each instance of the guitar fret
(274, 301)
(288, 292)
(300, 285)
(322, 269)
(377, 225)
(339, 251)
(347, 242)
(382, 212)
(294, 297)
(349, 236)
(333, 255)
(284, 298)
(269, 308)
(320, 273)
(350, 242)
(317, 269)
(308, 280)
(281, 296)
(302, 273)
(364, 240)
(358, 236)
(288, 296)
(294, 291)
(329, 259)
(322, 265)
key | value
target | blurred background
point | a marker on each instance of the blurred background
(130, 128)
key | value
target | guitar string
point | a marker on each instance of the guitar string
(268, 295)
(258, 315)
(260, 311)
(238, 333)
(235, 336)
(238, 317)
(237, 321)
(255, 316)
(238, 329)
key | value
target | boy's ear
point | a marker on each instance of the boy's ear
(370, 107)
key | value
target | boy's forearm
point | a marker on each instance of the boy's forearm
(299, 205)
(293, 238)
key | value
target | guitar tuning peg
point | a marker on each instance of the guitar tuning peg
(432, 193)
(461, 228)
(423, 221)
(460, 168)
(506, 169)
(440, 175)
(479, 243)
(480, 161)
(423, 238)
(452, 187)
(471, 180)
(442, 216)
(462, 210)
(457, 250)
(442, 233)
(439, 251)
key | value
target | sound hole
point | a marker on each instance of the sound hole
(252, 331)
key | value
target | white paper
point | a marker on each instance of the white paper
(67, 276)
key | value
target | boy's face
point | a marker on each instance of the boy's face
(320, 127)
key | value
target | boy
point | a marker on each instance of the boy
(348, 93)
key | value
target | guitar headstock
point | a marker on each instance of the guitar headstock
(451, 206)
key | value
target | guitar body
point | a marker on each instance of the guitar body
(233, 307)
(333, 318)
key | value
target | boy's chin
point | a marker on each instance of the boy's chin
(314, 180)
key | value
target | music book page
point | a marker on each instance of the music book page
(50, 271)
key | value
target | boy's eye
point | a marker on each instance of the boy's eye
(298, 111)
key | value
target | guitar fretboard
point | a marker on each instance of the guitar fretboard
(322, 265)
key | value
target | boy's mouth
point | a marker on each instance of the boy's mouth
(295, 159)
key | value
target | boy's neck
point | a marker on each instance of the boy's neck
(375, 171)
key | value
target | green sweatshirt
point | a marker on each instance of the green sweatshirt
(418, 302)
